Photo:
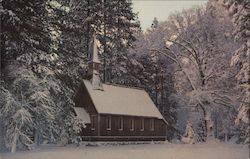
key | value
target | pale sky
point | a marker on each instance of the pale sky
(161, 9)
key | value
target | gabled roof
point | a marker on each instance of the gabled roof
(122, 101)
(82, 114)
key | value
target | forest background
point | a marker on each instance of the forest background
(194, 65)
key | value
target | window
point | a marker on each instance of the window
(120, 123)
(93, 117)
(108, 122)
(152, 126)
(142, 124)
(132, 125)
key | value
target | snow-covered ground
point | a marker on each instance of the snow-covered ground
(146, 151)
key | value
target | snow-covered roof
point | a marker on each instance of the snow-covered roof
(82, 114)
(122, 101)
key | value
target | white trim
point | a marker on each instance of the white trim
(120, 123)
(98, 124)
(152, 124)
(109, 124)
(142, 124)
(92, 125)
(132, 124)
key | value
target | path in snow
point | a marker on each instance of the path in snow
(149, 151)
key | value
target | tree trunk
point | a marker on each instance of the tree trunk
(88, 30)
(104, 69)
(104, 44)
(216, 127)
(14, 143)
(36, 138)
(209, 127)
(226, 137)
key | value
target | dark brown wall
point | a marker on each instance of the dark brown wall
(83, 99)
(159, 126)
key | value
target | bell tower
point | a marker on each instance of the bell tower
(94, 64)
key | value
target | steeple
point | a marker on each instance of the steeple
(93, 65)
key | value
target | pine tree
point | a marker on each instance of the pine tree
(119, 25)
(44, 54)
(23, 28)
(239, 12)
(29, 61)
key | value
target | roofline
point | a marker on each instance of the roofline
(82, 82)
(130, 115)
(119, 85)
(124, 86)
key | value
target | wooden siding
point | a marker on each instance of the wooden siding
(126, 133)
(100, 132)
(83, 99)
(159, 125)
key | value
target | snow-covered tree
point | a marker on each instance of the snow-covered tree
(31, 79)
(190, 137)
(16, 119)
(149, 70)
(44, 51)
(201, 51)
(239, 12)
